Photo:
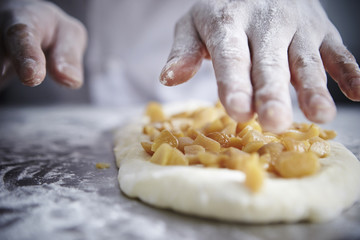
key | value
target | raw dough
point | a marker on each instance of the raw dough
(221, 194)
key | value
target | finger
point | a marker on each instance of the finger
(65, 57)
(232, 64)
(23, 46)
(341, 65)
(222, 32)
(3, 65)
(309, 79)
(271, 77)
(186, 54)
(6, 70)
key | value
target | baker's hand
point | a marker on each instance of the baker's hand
(258, 47)
(36, 35)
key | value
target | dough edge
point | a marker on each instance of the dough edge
(221, 194)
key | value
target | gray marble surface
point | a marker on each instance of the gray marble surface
(51, 189)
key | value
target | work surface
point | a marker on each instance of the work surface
(51, 189)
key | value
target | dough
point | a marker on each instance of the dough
(221, 193)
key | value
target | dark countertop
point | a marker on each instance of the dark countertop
(51, 189)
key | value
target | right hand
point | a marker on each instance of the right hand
(37, 35)
(257, 48)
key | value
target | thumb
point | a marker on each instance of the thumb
(186, 54)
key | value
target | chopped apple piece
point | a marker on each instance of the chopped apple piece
(255, 173)
(295, 164)
(319, 146)
(208, 143)
(220, 137)
(147, 147)
(155, 112)
(168, 155)
(165, 137)
(193, 150)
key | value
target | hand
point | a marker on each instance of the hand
(36, 35)
(257, 48)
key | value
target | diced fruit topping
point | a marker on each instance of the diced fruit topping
(209, 137)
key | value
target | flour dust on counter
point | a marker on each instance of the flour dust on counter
(51, 189)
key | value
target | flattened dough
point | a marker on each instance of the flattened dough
(221, 193)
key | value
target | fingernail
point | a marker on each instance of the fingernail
(168, 75)
(31, 73)
(322, 110)
(74, 75)
(275, 116)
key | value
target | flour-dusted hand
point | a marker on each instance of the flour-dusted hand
(36, 35)
(257, 48)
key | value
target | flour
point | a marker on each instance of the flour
(34, 72)
(169, 74)
(70, 208)
(49, 185)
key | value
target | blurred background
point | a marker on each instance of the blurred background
(113, 65)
